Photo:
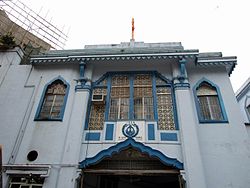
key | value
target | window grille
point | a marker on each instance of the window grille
(96, 120)
(159, 81)
(100, 91)
(209, 102)
(53, 100)
(165, 109)
(97, 111)
(119, 102)
(143, 97)
(26, 182)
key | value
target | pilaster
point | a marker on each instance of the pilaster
(73, 140)
(193, 165)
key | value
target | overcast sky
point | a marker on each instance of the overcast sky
(207, 25)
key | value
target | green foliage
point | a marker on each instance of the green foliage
(7, 40)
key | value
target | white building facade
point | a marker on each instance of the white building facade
(133, 114)
(243, 98)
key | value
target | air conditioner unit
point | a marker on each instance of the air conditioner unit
(98, 98)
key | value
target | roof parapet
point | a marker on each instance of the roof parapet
(133, 44)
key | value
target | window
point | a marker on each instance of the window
(53, 101)
(119, 98)
(97, 110)
(143, 97)
(209, 104)
(165, 108)
(26, 182)
(132, 96)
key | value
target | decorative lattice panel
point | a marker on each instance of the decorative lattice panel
(56, 88)
(159, 81)
(206, 89)
(120, 92)
(143, 79)
(165, 109)
(100, 91)
(120, 80)
(96, 120)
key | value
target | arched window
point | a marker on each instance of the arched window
(209, 103)
(53, 101)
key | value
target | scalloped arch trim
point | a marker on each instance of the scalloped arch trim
(130, 142)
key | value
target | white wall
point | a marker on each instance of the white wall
(224, 146)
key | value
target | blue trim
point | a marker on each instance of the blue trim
(106, 115)
(183, 86)
(174, 109)
(182, 77)
(169, 137)
(88, 110)
(183, 67)
(83, 87)
(154, 97)
(151, 132)
(159, 75)
(223, 111)
(131, 97)
(39, 108)
(97, 82)
(109, 132)
(93, 136)
(82, 68)
(130, 142)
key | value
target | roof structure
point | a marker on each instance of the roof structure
(135, 51)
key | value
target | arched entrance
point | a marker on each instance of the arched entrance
(130, 164)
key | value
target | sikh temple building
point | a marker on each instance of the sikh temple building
(132, 114)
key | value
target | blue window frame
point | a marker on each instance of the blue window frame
(209, 103)
(132, 96)
(53, 101)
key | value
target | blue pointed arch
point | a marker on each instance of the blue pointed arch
(130, 142)
(216, 87)
(39, 108)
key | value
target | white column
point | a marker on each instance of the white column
(193, 166)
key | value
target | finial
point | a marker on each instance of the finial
(133, 29)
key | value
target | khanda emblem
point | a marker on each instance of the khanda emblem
(130, 129)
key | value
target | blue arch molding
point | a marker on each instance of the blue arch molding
(223, 110)
(130, 142)
(39, 108)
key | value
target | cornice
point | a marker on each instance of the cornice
(229, 62)
(110, 57)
